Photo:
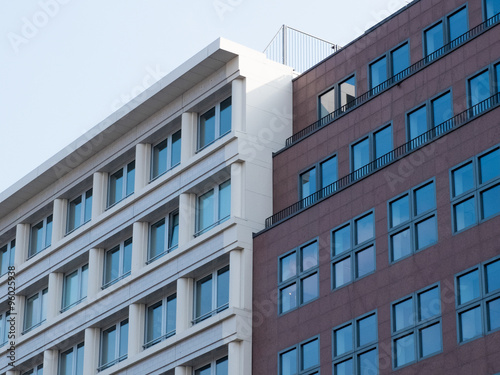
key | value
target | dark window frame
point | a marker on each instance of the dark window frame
(163, 302)
(217, 131)
(317, 167)
(215, 309)
(83, 197)
(337, 97)
(169, 165)
(309, 371)
(389, 64)
(371, 145)
(492, 81)
(169, 225)
(117, 326)
(125, 170)
(121, 274)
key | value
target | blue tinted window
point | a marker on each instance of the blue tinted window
(360, 154)
(383, 142)
(441, 109)
(434, 38)
(378, 72)
(417, 121)
(457, 24)
(400, 59)
(492, 8)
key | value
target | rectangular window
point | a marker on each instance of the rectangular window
(35, 311)
(219, 367)
(444, 32)
(301, 359)
(166, 155)
(114, 345)
(214, 124)
(391, 64)
(41, 236)
(416, 326)
(121, 184)
(326, 103)
(412, 221)
(298, 275)
(7, 253)
(491, 8)
(160, 320)
(214, 207)
(353, 250)
(318, 177)
(355, 346)
(211, 294)
(38, 370)
(477, 293)
(4, 327)
(117, 263)
(340, 97)
(79, 211)
(374, 147)
(164, 236)
(482, 88)
(75, 287)
(71, 361)
(475, 190)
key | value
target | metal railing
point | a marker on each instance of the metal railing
(386, 159)
(412, 69)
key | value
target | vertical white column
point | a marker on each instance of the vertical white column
(237, 184)
(183, 370)
(136, 324)
(189, 122)
(96, 267)
(50, 359)
(184, 311)
(59, 217)
(238, 104)
(139, 245)
(20, 302)
(239, 355)
(99, 195)
(142, 165)
(12, 372)
(187, 217)
(91, 351)
(235, 278)
(22, 244)
(54, 294)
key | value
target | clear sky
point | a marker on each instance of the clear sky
(65, 65)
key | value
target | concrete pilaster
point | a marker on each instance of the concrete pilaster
(187, 217)
(20, 302)
(99, 195)
(189, 121)
(136, 323)
(22, 244)
(238, 104)
(96, 267)
(239, 357)
(237, 184)
(184, 311)
(139, 246)
(183, 370)
(142, 165)
(54, 294)
(91, 351)
(50, 361)
(59, 217)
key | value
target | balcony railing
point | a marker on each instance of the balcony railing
(386, 159)
(412, 69)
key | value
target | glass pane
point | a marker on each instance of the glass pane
(84, 281)
(468, 287)
(71, 289)
(490, 201)
(206, 210)
(288, 362)
(123, 348)
(66, 363)
(112, 269)
(405, 350)
(470, 324)
(48, 232)
(430, 340)
(4, 260)
(221, 367)
(225, 116)
(288, 266)
(116, 187)
(160, 152)
(222, 287)
(365, 261)
(203, 371)
(288, 298)
(442, 109)
(367, 330)
(400, 211)
(327, 103)
(157, 241)
(204, 296)
(75, 214)
(171, 313)
(329, 172)
(343, 368)
(130, 178)
(403, 315)
(108, 350)
(154, 322)
(207, 128)
(426, 232)
(463, 179)
(176, 149)
(309, 254)
(465, 214)
(310, 288)
(434, 38)
(127, 256)
(225, 200)
(378, 72)
(368, 363)
(383, 142)
(342, 272)
(343, 340)
(492, 8)
(79, 360)
(308, 183)
(44, 301)
(489, 166)
(32, 314)
(342, 240)
(36, 238)
(457, 24)
(173, 238)
(417, 122)
(479, 88)
(400, 59)
(492, 271)
(310, 354)
(425, 199)
(347, 91)
(88, 206)
(360, 154)
(493, 309)
(429, 304)
(364, 229)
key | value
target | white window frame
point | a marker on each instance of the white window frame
(125, 171)
(164, 319)
(117, 357)
(217, 120)
(45, 235)
(121, 261)
(215, 309)
(74, 350)
(42, 296)
(84, 196)
(169, 162)
(80, 297)
(216, 213)
(9, 248)
(169, 225)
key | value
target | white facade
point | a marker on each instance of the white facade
(70, 241)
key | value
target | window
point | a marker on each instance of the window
(370, 148)
(164, 236)
(337, 97)
(298, 276)
(164, 160)
(214, 123)
(491, 8)
(477, 292)
(121, 184)
(412, 221)
(117, 263)
(445, 31)
(7, 256)
(38, 370)
(35, 311)
(353, 250)
(389, 65)
(4, 327)
(219, 367)
(75, 287)
(416, 326)
(71, 361)
(160, 320)
(482, 86)
(475, 190)
(355, 346)
(318, 177)
(214, 207)
(114, 345)
(301, 359)
(41, 236)
(211, 294)
(79, 211)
